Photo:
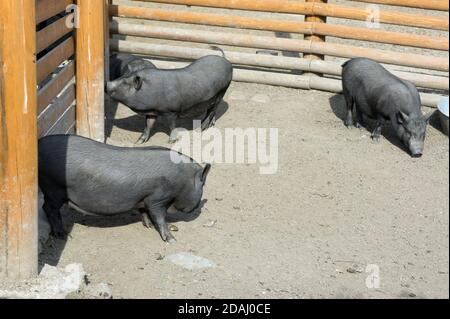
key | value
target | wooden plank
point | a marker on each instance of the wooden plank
(54, 58)
(45, 9)
(272, 43)
(65, 124)
(51, 115)
(315, 8)
(441, 5)
(90, 60)
(290, 80)
(265, 61)
(52, 33)
(51, 90)
(307, 28)
(18, 141)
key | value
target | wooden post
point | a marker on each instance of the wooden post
(315, 38)
(18, 140)
(90, 61)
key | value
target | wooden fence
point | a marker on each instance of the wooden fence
(52, 69)
(314, 46)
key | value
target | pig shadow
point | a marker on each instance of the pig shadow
(435, 122)
(52, 252)
(136, 123)
(339, 108)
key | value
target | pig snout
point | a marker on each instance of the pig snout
(416, 148)
(110, 87)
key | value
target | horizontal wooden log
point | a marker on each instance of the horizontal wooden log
(51, 90)
(277, 62)
(52, 33)
(319, 9)
(45, 9)
(51, 115)
(290, 80)
(307, 28)
(54, 58)
(66, 123)
(441, 5)
(272, 43)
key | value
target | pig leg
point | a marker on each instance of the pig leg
(376, 135)
(149, 123)
(146, 221)
(158, 215)
(172, 119)
(210, 118)
(359, 117)
(349, 119)
(52, 211)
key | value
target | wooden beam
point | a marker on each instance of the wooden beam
(272, 43)
(52, 33)
(291, 80)
(45, 9)
(309, 8)
(307, 28)
(90, 61)
(18, 140)
(265, 61)
(441, 5)
(48, 64)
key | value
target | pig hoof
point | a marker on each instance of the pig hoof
(376, 139)
(170, 239)
(143, 139)
(147, 224)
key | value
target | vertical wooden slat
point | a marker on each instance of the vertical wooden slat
(18, 140)
(107, 34)
(315, 38)
(107, 49)
(90, 58)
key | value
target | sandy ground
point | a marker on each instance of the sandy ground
(339, 202)
(338, 199)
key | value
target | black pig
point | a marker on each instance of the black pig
(195, 89)
(104, 180)
(380, 95)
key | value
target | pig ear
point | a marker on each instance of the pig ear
(402, 117)
(200, 176)
(428, 117)
(205, 173)
(137, 81)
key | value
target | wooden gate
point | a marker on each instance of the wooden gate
(52, 70)
(55, 47)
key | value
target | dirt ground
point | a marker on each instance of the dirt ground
(338, 203)
(338, 199)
